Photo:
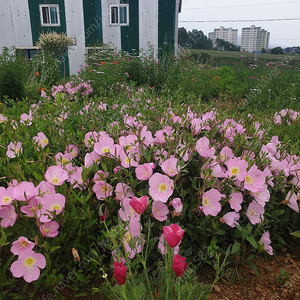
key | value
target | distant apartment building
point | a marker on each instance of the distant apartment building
(254, 39)
(226, 34)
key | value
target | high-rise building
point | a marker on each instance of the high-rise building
(254, 39)
(226, 34)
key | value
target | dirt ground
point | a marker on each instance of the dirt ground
(279, 278)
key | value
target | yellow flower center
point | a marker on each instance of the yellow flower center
(24, 243)
(249, 180)
(46, 230)
(234, 171)
(64, 161)
(6, 199)
(206, 202)
(44, 141)
(29, 262)
(162, 187)
(54, 180)
(55, 207)
(105, 150)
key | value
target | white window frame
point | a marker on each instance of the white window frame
(118, 7)
(41, 15)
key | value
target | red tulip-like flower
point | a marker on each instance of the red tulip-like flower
(173, 234)
(179, 265)
(139, 204)
(120, 272)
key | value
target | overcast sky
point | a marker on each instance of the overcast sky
(284, 33)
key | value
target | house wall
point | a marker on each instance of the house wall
(111, 33)
(148, 25)
(75, 29)
(15, 24)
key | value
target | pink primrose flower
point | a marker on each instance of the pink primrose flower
(139, 204)
(6, 196)
(76, 178)
(2, 118)
(235, 201)
(162, 245)
(177, 204)
(129, 143)
(292, 201)
(8, 215)
(160, 187)
(104, 146)
(24, 191)
(20, 245)
(129, 159)
(231, 218)
(73, 150)
(160, 211)
(14, 149)
(202, 147)
(173, 234)
(49, 229)
(33, 209)
(56, 175)
(102, 190)
(236, 168)
(265, 240)
(254, 180)
(53, 203)
(122, 190)
(226, 153)
(126, 212)
(63, 160)
(91, 158)
(28, 265)
(255, 212)
(262, 196)
(146, 137)
(170, 167)
(41, 140)
(210, 202)
(145, 171)
(26, 119)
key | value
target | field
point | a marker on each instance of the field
(137, 177)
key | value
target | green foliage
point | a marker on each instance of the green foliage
(13, 75)
(194, 39)
(226, 46)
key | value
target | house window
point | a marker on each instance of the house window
(49, 15)
(119, 14)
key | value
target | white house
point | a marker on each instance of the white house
(130, 25)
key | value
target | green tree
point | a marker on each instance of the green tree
(277, 50)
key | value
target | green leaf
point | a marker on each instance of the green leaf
(296, 233)
(54, 248)
(236, 247)
(252, 241)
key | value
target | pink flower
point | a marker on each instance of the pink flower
(20, 245)
(129, 144)
(49, 229)
(159, 211)
(24, 191)
(226, 153)
(179, 265)
(210, 202)
(145, 171)
(122, 190)
(33, 209)
(28, 265)
(237, 168)
(102, 190)
(177, 204)
(292, 201)
(162, 245)
(202, 147)
(52, 204)
(104, 146)
(72, 149)
(133, 240)
(231, 218)
(26, 119)
(41, 140)
(45, 188)
(8, 215)
(262, 196)
(160, 187)
(173, 234)
(170, 167)
(6, 195)
(126, 212)
(255, 212)
(56, 175)
(254, 180)
(129, 159)
(265, 240)
(139, 204)
(14, 149)
(235, 201)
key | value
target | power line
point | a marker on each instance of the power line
(238, 21)
(189, 8)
